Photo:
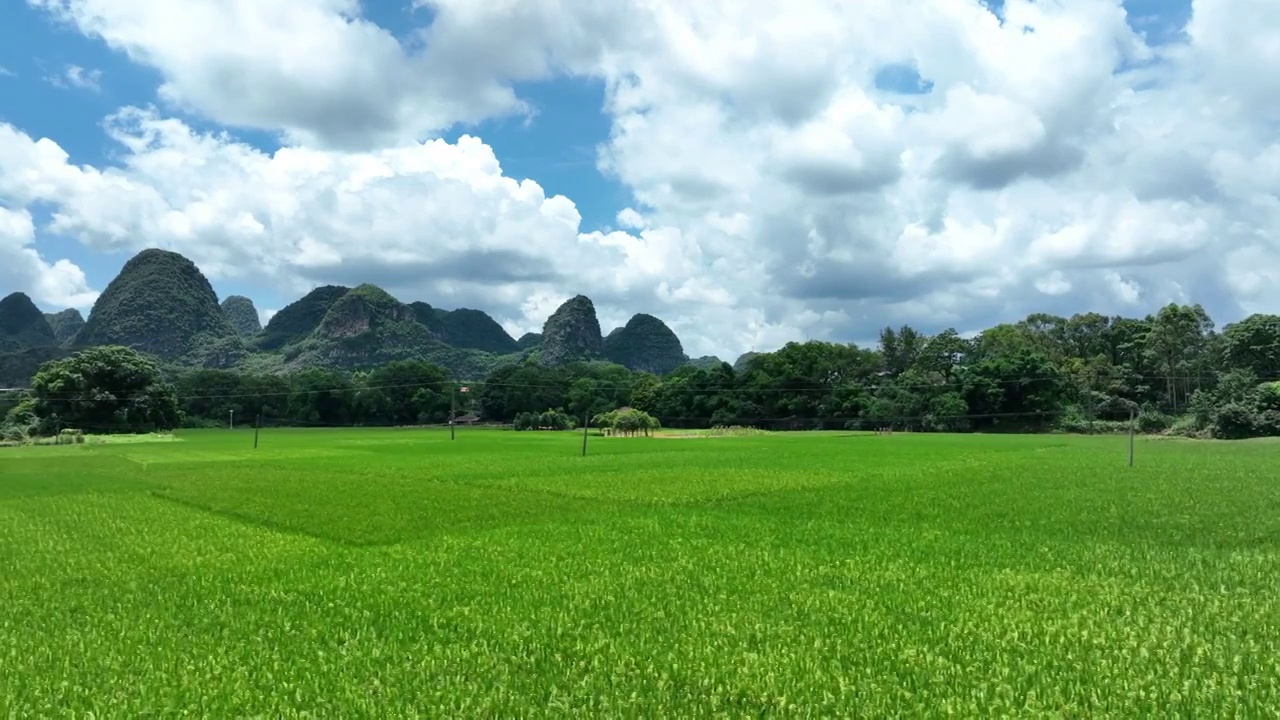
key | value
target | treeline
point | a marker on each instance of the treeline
(1171, 372)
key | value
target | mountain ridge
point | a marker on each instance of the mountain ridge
(162, 304)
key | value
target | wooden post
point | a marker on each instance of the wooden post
(1131, 424)
(586, 419)
(257, 424)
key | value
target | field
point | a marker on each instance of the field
(393, 573)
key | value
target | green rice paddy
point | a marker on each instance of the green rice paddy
(394, 573)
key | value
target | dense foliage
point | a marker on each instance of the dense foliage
(22, 325)
(104, 389)
(549, 420)
(17, 368)
(626, 421)
(300, 318)
(645, 343)
(161, 304)
(242, 315)
(465, 328)
(1088, 373)
(65, 325)
(367, 327)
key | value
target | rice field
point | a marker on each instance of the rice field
(394, 573)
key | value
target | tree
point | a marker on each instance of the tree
(626, 421)
(104, 389)
(405, 392)
(899, 350)
(1253, 344)
(1175, 340)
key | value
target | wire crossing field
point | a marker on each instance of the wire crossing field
(385, 573)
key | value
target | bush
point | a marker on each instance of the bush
(1188, 426)
(1153, 421)
(70, 436)
(549, 420)
(627, 421)
(1075, 422)
(1235, 421)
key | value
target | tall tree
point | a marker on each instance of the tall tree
(1175, 341)
(105, 389)
(1254, 344)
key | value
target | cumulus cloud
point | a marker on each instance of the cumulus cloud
(314, 69)
(434, 220)
(1051, 161)
(59, 284)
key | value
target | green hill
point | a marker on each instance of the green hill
(645, 343)
(367, 327)
(65, 324)
(474, 329)
(740, 365)
(160, 303)
(22, 325)
(465, 328)
(17, 368)
(242, 315)
(706, 362)
(571, 334)
(300, 318)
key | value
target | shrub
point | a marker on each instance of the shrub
(549, 420)
(1153, 421)
(1235, 421)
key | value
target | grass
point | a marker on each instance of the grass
(391, 573)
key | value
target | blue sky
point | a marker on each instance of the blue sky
(556, 147)
(770, 184)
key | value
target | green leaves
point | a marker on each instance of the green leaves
(105, 389)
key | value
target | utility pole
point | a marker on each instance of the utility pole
(586, 419)
(453, 411)
(231, 419)
(257, 425)
(1131, 424)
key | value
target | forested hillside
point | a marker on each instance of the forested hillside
(65, 324)
(1170, 372)
(161, 304)
(22, 325)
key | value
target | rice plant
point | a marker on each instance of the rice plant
(380, 573)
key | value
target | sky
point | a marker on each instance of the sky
(751, 172)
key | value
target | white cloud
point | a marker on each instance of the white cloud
(74, 76)
(6, 72)
(314, 69)
(434, 221)
(60, 284)
(1055, 283)
(1057, 164)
